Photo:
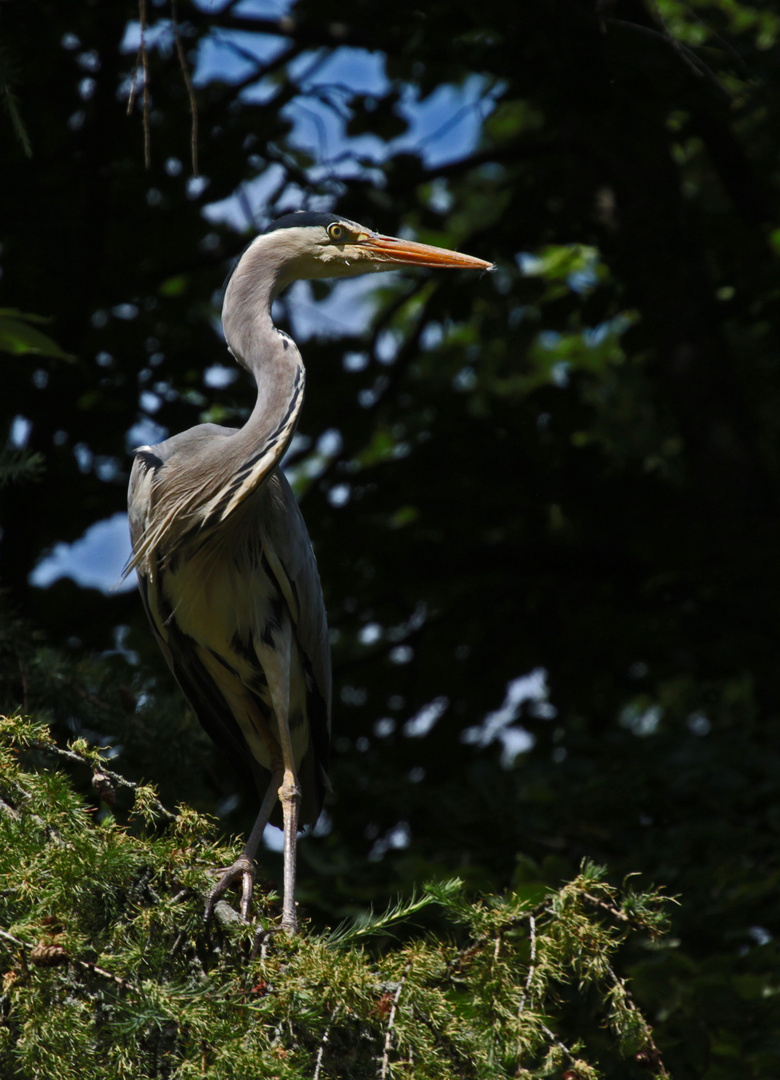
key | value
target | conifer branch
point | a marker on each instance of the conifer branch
(78, 753)
(118, 925)
(20, 466)
(370, 924)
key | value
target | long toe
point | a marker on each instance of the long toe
(242, 870)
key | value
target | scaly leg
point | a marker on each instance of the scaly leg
(290, 797)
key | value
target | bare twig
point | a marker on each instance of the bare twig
(323, 1043)
(80, 759)
(390, 1022)
(131, 92)
(695, 66)
(87, 965)
(142, 61)
(188, 83)
(6, 808)
(714, 36)
(531, 966)
(14, 940)
(561, 1045)
(616, 913)
(528, 980)
(650, 1054)
(145, 68)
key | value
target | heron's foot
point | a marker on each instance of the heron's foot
(243, 870)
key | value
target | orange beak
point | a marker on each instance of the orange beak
(410, 253)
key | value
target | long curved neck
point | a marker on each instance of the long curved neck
(269, 355)
(274, 361)
(262, 272)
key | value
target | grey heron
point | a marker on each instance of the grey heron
(224, 562)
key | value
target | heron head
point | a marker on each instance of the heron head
(321, 245)
(305, 245)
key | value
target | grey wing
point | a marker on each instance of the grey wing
(196, 684)
(139, 512)
(287, 531)
(139, 492)
(291, 560)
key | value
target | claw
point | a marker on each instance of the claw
(243, 869)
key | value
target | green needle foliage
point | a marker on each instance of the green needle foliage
(19, 467)
(110, 972)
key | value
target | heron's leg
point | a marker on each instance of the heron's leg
(278, 676)
(243, 869)
(290, 797)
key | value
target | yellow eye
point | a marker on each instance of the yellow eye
(336, 232)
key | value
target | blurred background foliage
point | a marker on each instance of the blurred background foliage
(544, 502)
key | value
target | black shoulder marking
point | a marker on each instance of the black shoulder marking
(266, 449)
(150, 460)
(221, 660)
